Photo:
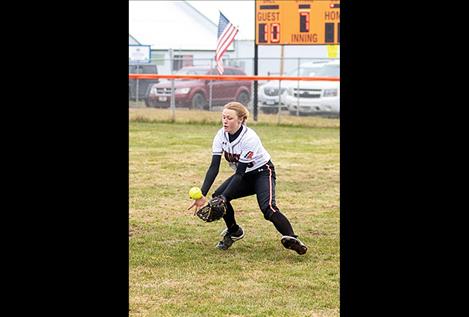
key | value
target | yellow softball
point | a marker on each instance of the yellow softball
(195, 193)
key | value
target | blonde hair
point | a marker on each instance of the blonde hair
(241, 111)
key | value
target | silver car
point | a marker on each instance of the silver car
(270, 94)
(315, 97)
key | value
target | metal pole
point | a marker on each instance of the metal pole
(254, 99)
(254, 96)
(280, 85)
(172, 106)
(298, 91)
(136, 86)
(210, 89)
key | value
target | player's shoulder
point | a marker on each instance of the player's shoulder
(220, 132)
(251, 135)
(218, 138)
(251, 132)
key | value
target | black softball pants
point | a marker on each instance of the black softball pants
(260, 182)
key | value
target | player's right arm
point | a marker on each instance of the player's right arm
(211, 174)
(212, 171)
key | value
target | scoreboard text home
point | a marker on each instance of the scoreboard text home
(297, 22)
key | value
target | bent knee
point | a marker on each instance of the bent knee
(269, 211)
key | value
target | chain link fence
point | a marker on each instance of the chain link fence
(284, 97)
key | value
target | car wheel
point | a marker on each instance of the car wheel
(198, 101)
(243, 98)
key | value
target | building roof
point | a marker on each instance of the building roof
(171, 24)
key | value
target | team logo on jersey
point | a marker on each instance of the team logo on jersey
(249, 155)
(231, 157)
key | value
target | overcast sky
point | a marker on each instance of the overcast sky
(239, 12)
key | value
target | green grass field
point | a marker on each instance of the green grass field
(175, 269)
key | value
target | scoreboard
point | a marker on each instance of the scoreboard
(297, 22)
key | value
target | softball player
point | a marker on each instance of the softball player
(254, 174)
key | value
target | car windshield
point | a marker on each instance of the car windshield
(317, 71)
(192, 71)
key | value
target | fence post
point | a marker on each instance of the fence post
(136, 85)
(210, 88)
(298, 91)
(280, 85)
(171, 65)
(254, 99)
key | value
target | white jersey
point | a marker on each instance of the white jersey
(246, 148)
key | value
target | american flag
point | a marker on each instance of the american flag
(226, 35)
